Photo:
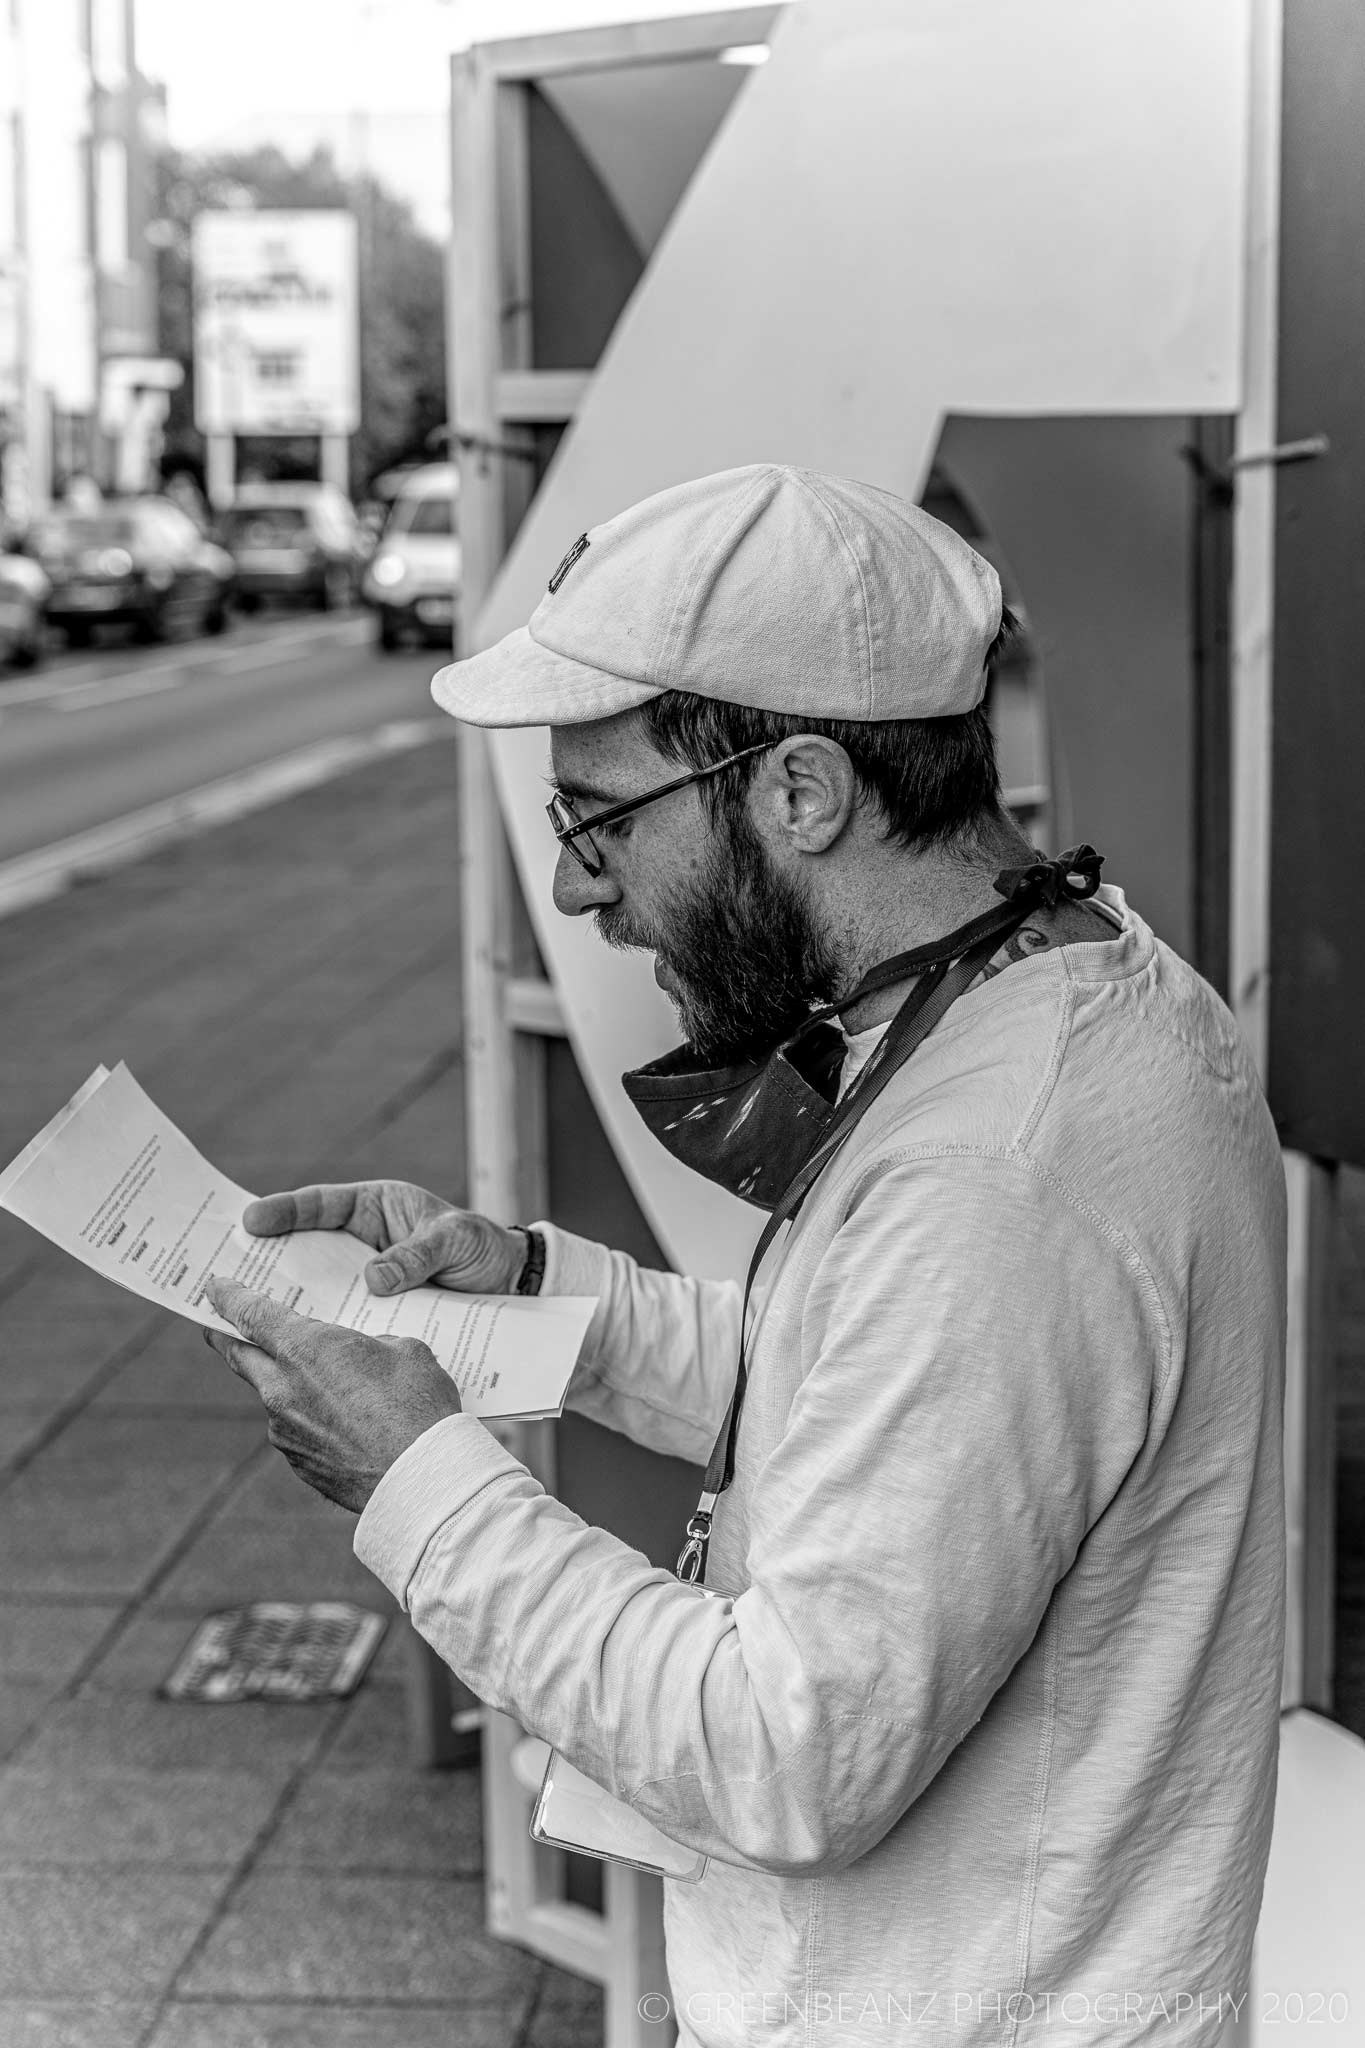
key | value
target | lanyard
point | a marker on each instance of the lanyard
(944, 980)
(948, 968)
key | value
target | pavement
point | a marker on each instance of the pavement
(253, 1876)
(261, 1876)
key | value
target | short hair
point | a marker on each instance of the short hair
(935, 780)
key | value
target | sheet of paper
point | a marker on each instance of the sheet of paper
(115, 1183)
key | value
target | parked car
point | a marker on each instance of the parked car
(23, 602)
(413, 579)
(296, 541)
(138, 561)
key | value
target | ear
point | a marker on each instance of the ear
(807, 792)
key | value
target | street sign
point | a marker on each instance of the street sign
(276, 343)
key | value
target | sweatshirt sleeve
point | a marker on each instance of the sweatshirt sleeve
(979, 1355)
(658, 1362)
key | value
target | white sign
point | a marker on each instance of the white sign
(1117, 246)
(276, 340)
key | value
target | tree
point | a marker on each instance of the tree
(402, 302)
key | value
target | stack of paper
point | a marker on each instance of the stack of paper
(113, 1182)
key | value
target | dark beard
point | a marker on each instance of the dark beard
(740, 942)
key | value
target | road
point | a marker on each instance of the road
(91, 737)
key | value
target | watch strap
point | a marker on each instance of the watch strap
(533, 1271)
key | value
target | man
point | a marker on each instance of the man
(981, 1742)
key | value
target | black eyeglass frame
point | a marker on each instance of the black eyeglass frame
(560, 805)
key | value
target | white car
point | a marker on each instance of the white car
(413, 578)
(24, 591)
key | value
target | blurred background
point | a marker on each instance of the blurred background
(325, 326)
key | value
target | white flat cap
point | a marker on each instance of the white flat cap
(777, 588)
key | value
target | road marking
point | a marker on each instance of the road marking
(38, 686)
(94, 696)
(269, 657)
(50, 870)
(280, 646)
(181, 666)
(42, 687)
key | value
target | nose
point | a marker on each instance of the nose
(576, 892)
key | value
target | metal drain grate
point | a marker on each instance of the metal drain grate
(277, 1650)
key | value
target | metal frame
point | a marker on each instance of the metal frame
(1310, 1450)
(510, 1008)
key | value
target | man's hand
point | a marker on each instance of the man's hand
(342, 1406)
(421, 1237)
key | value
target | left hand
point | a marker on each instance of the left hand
(342, 1406)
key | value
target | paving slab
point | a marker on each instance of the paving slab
(156, 1446)
(269, 1486)
(147, 1645)
(396, 1655)
(391, 1821)
(20, 1430)
(44, 1639)
(100, 1507)
(61, 2024)
(22, 1702)
(175, 1371)
(203, 2025)
(173, 1819)
(184, 1040)
(286, 1557)
(104, 1729)
(98, 1933)
(296, 1934)
(88, 1303)
(83, 1530)
(569, 2012)
(48, 1372)
(373, 1734)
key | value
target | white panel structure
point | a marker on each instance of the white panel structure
(832, 286)
(1309, 1976)
(644, 128)
(276, 326)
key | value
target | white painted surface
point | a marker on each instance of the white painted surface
(1309, 1980)
(1299, 1501)
(644, 127)
(911, 211)
(1253, 546)
(487, 21)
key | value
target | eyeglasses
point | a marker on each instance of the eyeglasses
(569, 828)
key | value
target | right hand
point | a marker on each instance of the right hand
(421, 1238)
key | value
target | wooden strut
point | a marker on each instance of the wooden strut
(483, 445)
(1220, 483)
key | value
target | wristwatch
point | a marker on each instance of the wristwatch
(533, 1270)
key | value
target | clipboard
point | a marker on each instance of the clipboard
(574, 1812)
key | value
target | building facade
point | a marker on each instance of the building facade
(78, 124)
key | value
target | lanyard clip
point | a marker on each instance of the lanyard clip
(692, 1556)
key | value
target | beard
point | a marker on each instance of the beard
(740, 944)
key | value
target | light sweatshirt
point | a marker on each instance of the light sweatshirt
(982, 1745)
